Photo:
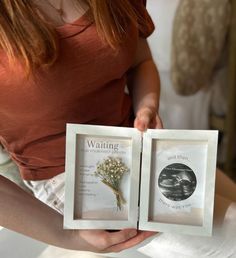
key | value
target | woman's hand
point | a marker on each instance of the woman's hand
(147, 118)
(101, 241)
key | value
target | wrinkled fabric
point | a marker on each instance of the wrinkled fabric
(220, 245)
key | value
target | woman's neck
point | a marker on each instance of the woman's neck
(60, 12)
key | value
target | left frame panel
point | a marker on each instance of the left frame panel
(94, 198)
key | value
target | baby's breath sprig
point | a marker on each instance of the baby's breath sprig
(111, 171)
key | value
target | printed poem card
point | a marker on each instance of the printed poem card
(103, 172)
(178, 181)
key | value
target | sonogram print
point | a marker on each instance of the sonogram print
(177, 182)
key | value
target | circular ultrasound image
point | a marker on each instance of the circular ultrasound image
(177, 182)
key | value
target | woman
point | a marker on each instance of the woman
(68, 61)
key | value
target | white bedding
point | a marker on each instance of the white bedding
(220, 245)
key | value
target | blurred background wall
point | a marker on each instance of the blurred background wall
(211, 107)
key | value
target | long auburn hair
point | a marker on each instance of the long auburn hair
(25, 35)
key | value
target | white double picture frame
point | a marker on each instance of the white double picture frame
(160, 180)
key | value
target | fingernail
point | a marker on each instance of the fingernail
(142, 127)
(132, 233)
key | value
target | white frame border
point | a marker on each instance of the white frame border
(211, 136)
(76, 129)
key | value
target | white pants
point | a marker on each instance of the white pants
(50, 191)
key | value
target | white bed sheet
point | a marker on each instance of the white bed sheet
(220, 245)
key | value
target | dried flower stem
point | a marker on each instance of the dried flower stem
(119, 197)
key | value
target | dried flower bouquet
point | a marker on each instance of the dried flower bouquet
(111, 171)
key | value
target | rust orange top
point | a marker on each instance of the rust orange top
(85, 85)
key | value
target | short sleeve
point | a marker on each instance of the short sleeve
(145, 23)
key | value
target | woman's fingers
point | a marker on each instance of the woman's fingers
(114, 238)
(147, 118)
(101, 240)
(140, 237)
(141, 123)
(159, 124)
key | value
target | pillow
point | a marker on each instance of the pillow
(199, 32)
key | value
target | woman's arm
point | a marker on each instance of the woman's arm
(144, 87)
(225, 186)
(21, 212)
